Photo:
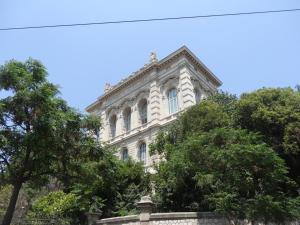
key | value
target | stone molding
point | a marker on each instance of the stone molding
(184, 215)
(118, 220)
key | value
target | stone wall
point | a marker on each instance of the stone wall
(125, 220)
(186, 218)
(180, 218)
(146, 217)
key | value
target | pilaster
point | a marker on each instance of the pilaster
(154, 101)
(186, 86)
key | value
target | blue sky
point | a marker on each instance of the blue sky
(245, 52)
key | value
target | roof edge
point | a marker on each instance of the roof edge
(151, 66)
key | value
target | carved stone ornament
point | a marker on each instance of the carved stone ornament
(153, 57)
(107, 87)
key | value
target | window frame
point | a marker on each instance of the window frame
(127, 119)
(123, 155)
(172, 96)
(142, 152)
(143, 111)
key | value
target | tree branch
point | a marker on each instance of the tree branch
(49, 172)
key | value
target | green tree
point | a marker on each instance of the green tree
(230, 171)
(226, 100)
(58, 205)
(274, 113)
(133, 183)
(174, 182)
(201, 117)
(211, 164)
(110, 186)
(39, 133)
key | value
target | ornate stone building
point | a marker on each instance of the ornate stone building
(136, 108)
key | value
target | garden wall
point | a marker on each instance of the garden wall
(179, 218)
(146, 217)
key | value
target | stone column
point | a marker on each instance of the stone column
(145, 206)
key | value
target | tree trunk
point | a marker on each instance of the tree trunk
(12, 204)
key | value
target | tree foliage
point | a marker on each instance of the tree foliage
(226, 100)
(210, 163)
(106, 185)
(274, 113)
(199, 118)
(227, 170)
(110, 186)
(54, 204)
(40, 136)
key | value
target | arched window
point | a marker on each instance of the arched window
(142, 153)
(113, 123)
(172, 101)
(127, 119)
(197, 95)
(124, 154)
(143, 111)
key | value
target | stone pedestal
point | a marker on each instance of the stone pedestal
(145, 206)
(93, 217)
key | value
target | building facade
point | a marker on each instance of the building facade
(135, 109)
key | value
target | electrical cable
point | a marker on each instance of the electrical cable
(149, 20)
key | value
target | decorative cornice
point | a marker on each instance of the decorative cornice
(157, 66)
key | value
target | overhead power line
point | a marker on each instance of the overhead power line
(149, 20)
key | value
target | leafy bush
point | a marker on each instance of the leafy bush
(110, 186)
(55, 205)
(5, 192)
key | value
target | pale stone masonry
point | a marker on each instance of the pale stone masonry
(180, 218)
(135, 109)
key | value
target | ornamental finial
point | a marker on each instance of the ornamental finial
(153, 57)
(107, 87)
